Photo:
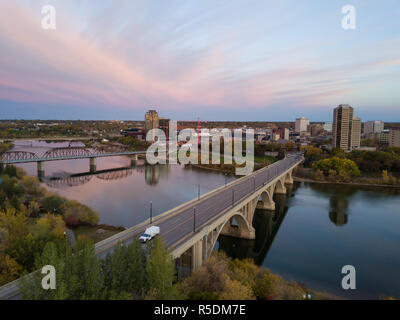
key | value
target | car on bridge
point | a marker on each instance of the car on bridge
(149, 234)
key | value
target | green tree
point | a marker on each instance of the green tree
(160, 272)
(53, 204)
(344, 168)
(78, 273)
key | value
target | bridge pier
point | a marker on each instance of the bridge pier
(289, 178)
(241, 230)
(280, 186)
(134, 160)
(267, 201)
(92, 164)
(40, 169)
(197, 255)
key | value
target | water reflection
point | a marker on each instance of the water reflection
(338, 213)
(152, 175)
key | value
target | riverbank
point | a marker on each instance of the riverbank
(96, 233)
(361, 184)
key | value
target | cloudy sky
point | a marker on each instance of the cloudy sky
(213, 59)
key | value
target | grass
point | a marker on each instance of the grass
(262, 159)
(90, 232)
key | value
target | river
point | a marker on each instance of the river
(315, 230)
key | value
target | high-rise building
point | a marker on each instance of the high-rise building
(151, 121)
(394, 137)
(355, 140)
(373, 126)
(301, 124)
(346, 128)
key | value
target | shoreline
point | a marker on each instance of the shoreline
(361, 184)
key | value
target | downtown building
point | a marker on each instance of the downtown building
(151, 121)
(346, 128)
(376, 126)
(301, 125)
(394, 137)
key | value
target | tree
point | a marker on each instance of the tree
(344, 168)
(124, 271)
(265, 285)
(160, 272)
(235, 290)
(385, 176)
(77, 213)
(311, 155)
(53, 203)
(14, 222)
(78, 274)
(9, 269)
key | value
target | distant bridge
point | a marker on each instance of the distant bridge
(67, 153)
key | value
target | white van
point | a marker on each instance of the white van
(149, 234)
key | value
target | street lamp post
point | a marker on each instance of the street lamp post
(151, 211)
(194, 219)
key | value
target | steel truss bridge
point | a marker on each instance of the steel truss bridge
(14, 157)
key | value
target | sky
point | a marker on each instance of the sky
(214, 59)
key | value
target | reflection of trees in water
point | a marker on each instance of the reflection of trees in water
(153, 173)
(338, 212)
(335, 189)
(267, 224)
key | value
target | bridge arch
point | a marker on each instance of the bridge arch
(242, 229)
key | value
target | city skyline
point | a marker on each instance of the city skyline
(227, 61)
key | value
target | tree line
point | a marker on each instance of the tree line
(30, 217)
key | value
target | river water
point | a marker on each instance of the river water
(315, 231)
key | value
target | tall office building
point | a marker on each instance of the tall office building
(301, 125)
(373, 126)
(151, 121)
(355, 140)
(346, 128)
